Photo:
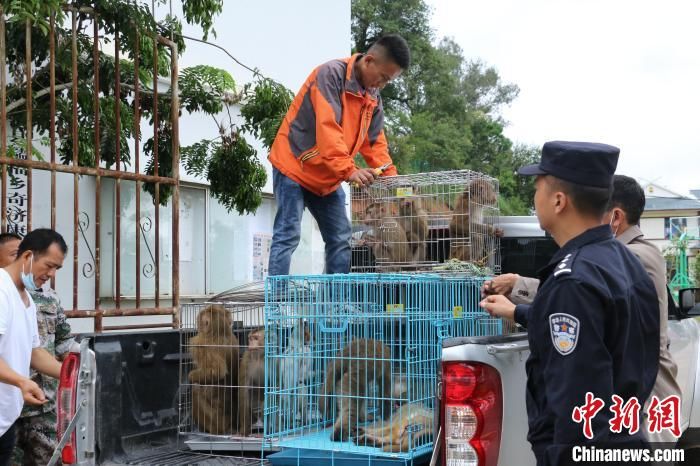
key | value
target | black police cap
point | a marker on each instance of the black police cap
(584, 163)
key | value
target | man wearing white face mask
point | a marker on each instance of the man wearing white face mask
(623, 213)
(40, 255)
(625, 209)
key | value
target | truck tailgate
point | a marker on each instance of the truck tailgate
(507, 354)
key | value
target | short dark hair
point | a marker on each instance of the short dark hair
(627, 195)
(396, 49)
(40, 240)
(588, 200)
(7, 237)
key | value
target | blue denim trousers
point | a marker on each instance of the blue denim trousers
(330, 214)
(7, 446)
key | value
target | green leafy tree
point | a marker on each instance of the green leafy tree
(517, 192)
(670, 252)
(694, 263)
(443, 113)
(227, 160)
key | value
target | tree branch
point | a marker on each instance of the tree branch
(255, 72)
(41, 93)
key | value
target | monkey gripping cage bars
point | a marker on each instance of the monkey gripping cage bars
(245, 308)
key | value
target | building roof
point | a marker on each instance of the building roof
(669, 203)
(695, 192)
(656, 190)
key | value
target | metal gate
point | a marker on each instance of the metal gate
(13, 165)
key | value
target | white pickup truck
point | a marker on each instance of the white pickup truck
(489, 372)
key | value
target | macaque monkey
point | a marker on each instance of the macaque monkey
(468, 232)
(215, 357)
(348, 377)
(251, 382)
(394, 436)
(388, 239)
(414, 220)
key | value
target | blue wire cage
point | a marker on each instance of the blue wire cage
(351, 360)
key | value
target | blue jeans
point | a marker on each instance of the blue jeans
(329, 212)
(7, 446)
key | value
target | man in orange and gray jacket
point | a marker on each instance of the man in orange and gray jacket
(336, 114)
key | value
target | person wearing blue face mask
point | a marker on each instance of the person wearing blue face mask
(40, 255)
(35, 430)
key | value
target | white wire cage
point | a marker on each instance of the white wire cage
(418, 222)
(222, 379)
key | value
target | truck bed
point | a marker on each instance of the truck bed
(137, 403)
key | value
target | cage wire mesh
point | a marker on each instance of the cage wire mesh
(351, 360)
(218, 339)
(417, 222)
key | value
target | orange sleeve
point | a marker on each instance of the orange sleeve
(377, 154)
(329, 135)
(375, 149)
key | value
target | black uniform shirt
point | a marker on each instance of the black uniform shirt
(593, 327)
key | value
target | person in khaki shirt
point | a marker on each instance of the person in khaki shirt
(624, 211)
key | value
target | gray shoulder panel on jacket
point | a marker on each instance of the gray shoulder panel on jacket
(330, 80)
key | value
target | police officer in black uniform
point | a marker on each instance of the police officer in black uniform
(594, 324)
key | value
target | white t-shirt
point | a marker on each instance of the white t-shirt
(18, 335)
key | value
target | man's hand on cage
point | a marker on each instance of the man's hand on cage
(362, 177)
(502, 284)
(499, 306)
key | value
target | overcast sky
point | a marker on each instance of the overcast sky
(621, 72)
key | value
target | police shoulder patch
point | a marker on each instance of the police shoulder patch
(565, 266)
(565, 330)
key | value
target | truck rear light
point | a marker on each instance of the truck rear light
(460, 381)
(461, 422)
(66, 397)
(462, 455)
(472, 414)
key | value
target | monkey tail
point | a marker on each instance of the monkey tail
(333, 373)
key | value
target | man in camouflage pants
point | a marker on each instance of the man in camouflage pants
(36, 427)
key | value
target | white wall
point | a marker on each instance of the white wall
(653, 228)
